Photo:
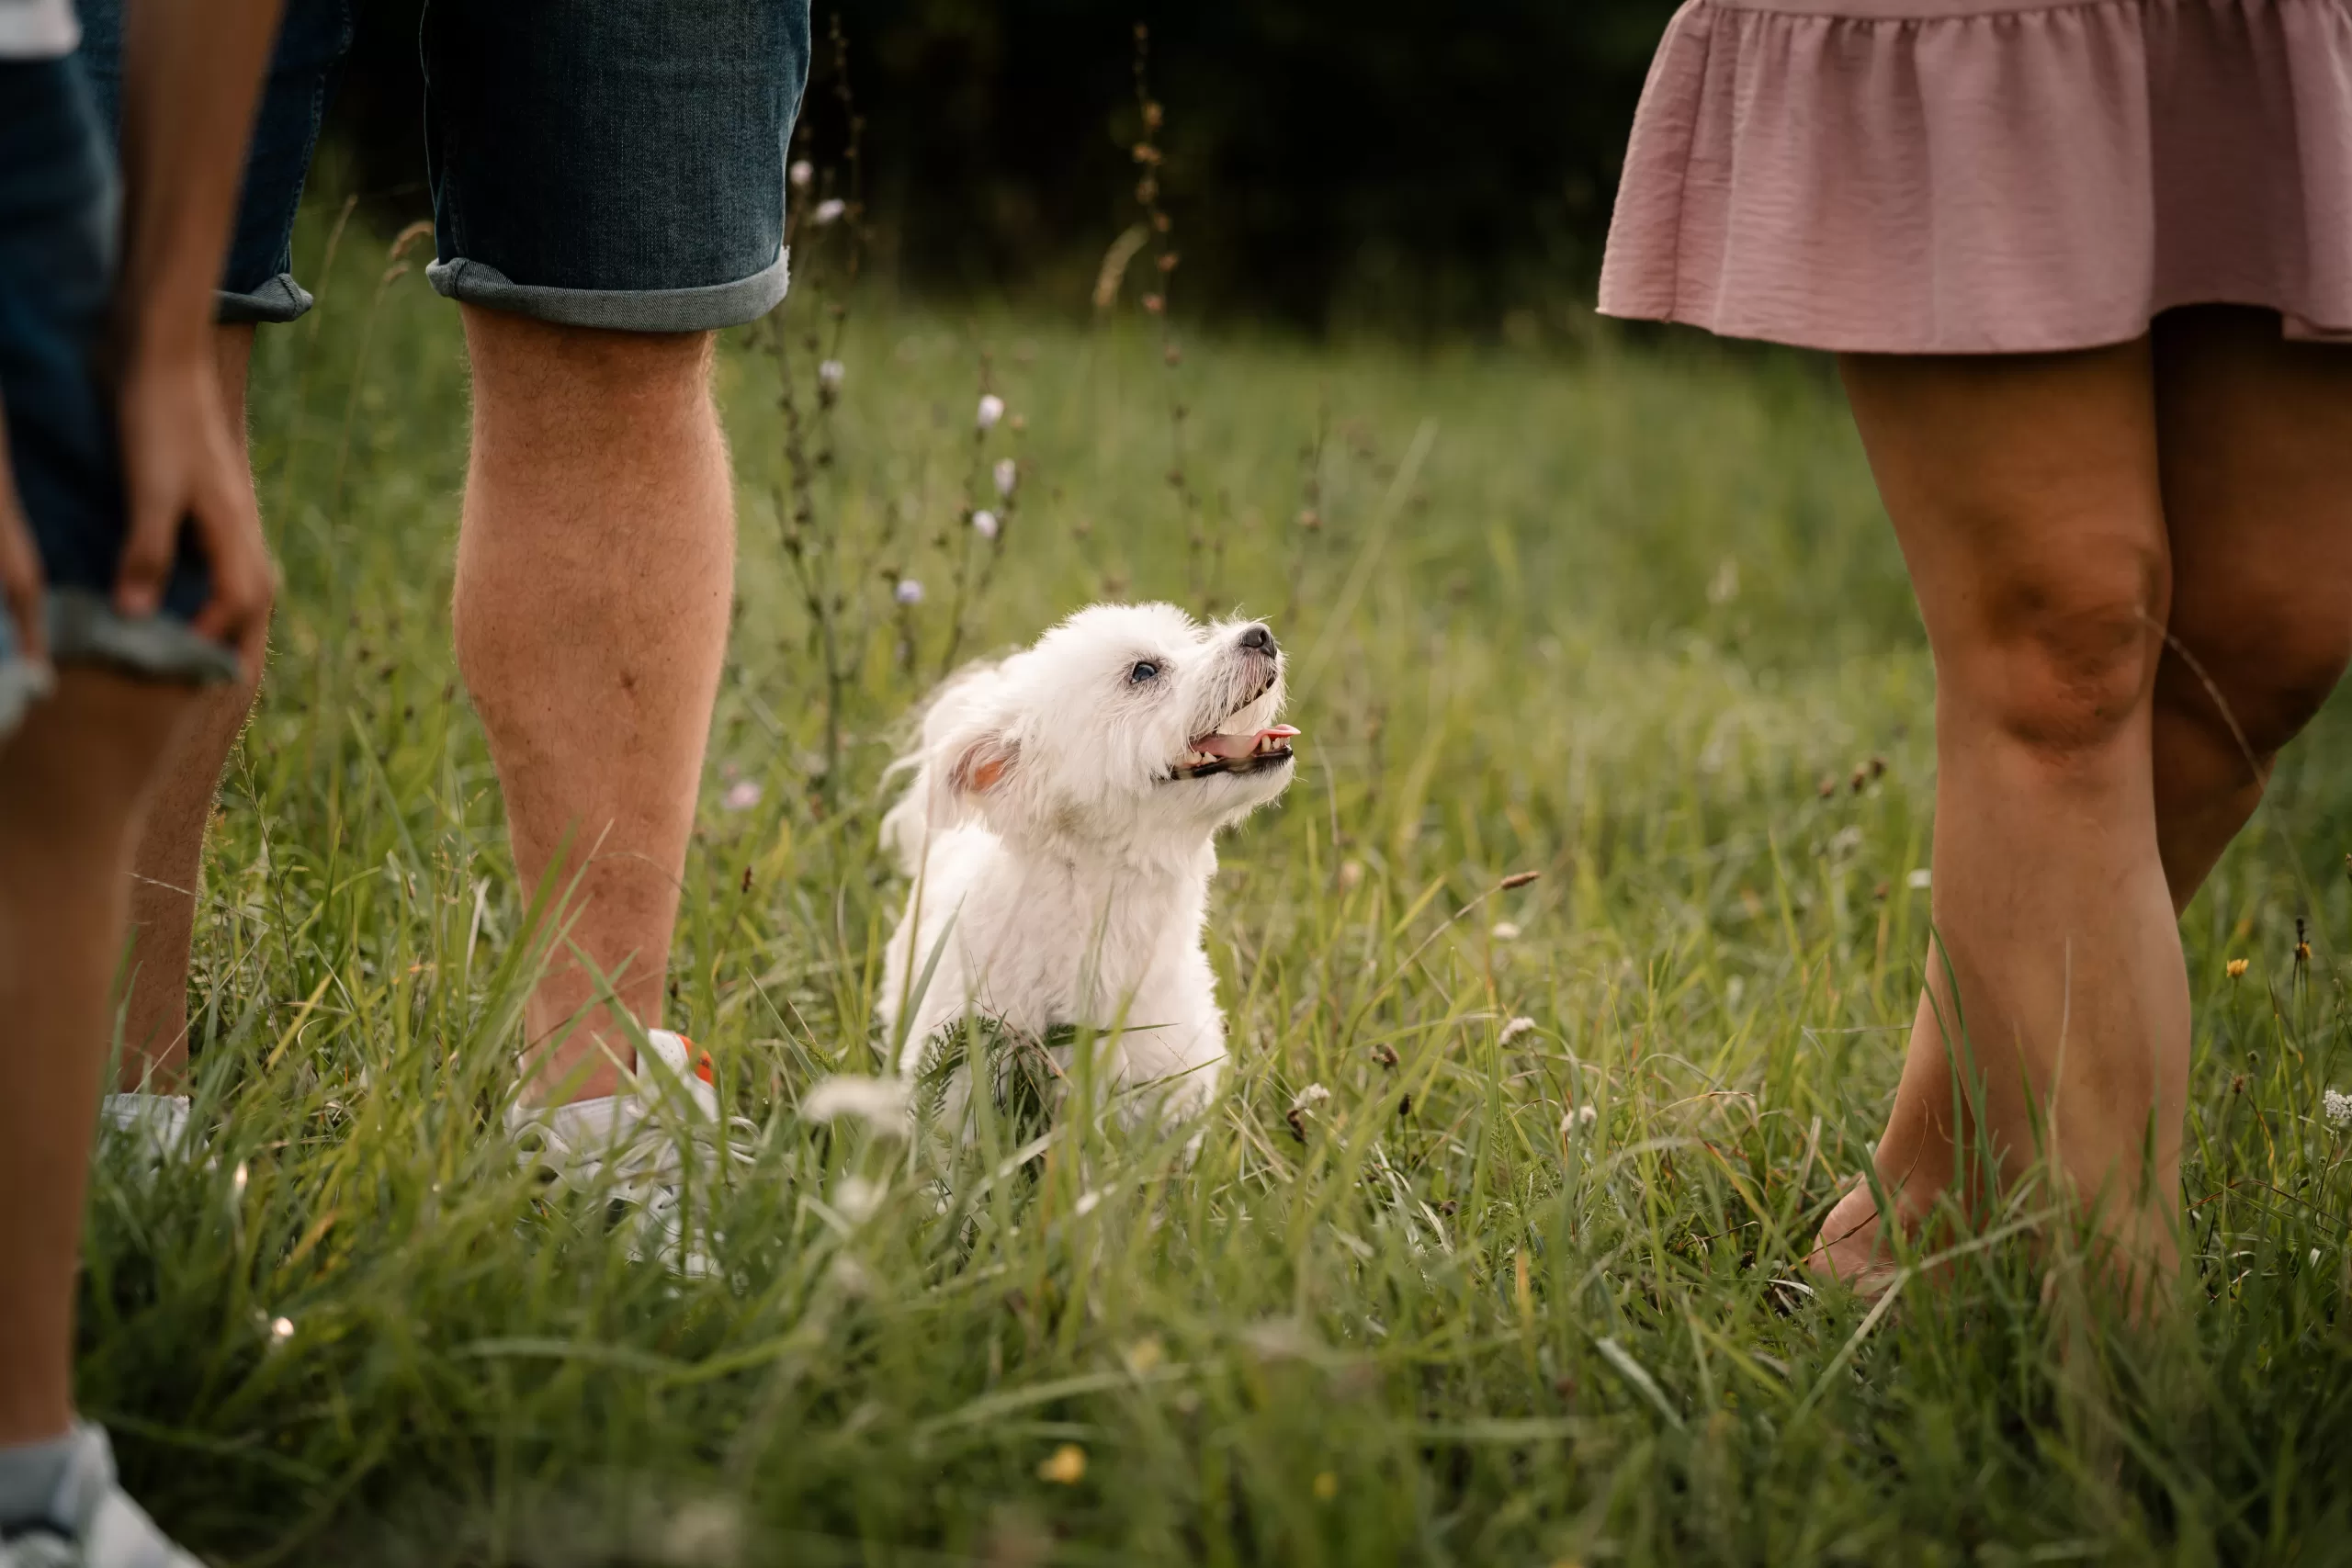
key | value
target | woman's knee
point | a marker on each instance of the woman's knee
(2061, 657)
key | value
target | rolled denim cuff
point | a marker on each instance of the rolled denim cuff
(699, 310)
(278, 298)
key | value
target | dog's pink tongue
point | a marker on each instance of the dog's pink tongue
(1229, 746)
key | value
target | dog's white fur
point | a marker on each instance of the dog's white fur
(1061, 861)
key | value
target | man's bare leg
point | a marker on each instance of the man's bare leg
(168, 865)
(71, 782)
(595, 566)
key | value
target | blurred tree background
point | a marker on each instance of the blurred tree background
(1383, 164)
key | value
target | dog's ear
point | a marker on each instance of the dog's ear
(982, 761)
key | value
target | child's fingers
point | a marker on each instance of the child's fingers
(20, 576)
(147, 551)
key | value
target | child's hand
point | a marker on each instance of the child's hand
(182, 464)
(21, 579)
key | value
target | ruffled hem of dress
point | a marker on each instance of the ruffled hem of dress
(2008, 179)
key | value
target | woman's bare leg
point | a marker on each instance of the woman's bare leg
(2025, 493)
(2254, 441)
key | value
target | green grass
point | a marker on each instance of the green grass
(1611, 616)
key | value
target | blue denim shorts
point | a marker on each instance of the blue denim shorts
(58, 206)
(593, 162)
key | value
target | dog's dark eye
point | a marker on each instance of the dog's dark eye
(1145, 669)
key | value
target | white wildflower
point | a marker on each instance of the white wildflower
(856, 1199)
(1313, 1095)
(1919, 880)
(1280, 1339)
(1506, 930)
(848, 1276)
(991, 409)
(829, 373)
(708, 1529)
(2337, 1107)
(1582, 1116)
(741, 795)
(1513, 1030)
(887, 1105)
(831, 208)
(1008, 474)
(804, 175)
(984, 523)
(281, 1329)
(1725, 587)
(908, 591)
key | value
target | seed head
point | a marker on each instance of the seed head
(884, 1104)
(828, 210)
(1513, 1030)
(908, 591)
(741, 795)
(991, 409)
(830, 374)
(803, 174)
(984, 523)
(1008, 474)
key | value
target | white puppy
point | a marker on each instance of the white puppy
(1059, 830)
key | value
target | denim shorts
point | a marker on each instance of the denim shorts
(593, 162)
(58, 207)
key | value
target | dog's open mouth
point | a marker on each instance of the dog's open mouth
(1214, 754)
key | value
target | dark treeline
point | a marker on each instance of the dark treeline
(1415, 166)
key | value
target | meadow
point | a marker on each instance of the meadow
(1477, 1260)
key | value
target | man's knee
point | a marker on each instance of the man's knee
(525, 367)
(2062, 659)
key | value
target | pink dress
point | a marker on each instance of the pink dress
(1988, 176)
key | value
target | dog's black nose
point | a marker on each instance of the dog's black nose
(1258, 639)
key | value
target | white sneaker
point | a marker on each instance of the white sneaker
(154, 1126)
(91, 1523)
(642, 1149)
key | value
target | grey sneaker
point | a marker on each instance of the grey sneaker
(91, 1523)
(638, 1149)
